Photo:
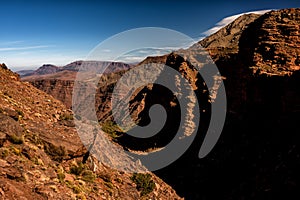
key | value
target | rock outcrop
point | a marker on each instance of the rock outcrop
(227, 39)
(272, 43)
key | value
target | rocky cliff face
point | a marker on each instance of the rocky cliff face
(229, 36)
(111, 67)
(42, 157)
(260, 140)
(272, 43)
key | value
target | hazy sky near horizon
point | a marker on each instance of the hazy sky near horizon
(58, 32)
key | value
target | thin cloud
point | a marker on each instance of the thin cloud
(140, 54)
(131, 59)
(227, 20)
(106, 50)
(23, 48)
(11, 42)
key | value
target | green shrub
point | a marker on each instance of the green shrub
(88, 176)
(77, 169)
(112, 129)
(143, 182)
(76, 189)
(16, 139)
(66, 116)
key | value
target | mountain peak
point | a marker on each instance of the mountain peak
(3, 66)
(228, 36)
(46, 69)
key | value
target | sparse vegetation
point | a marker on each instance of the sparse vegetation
(34, 138)
(60, 175)
(16, 139)
(56, 153)
(15, 150)
(37, 161)
(143, 182)
(66, 116)
(77, 169)
(88, 176)
(112, 129)
(76, 189)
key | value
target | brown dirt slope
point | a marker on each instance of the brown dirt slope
(41, 154)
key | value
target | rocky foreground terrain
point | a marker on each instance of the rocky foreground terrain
(42, 157)
(258, 155)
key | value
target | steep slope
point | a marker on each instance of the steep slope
(229, 36)
(42, 157)
(59, 85)
(259, 146)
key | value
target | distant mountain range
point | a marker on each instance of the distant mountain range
(74, 67)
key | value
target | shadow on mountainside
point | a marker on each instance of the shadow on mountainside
(257, 155)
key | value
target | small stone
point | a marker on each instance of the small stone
(3, 163)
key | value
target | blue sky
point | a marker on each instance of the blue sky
(58, 32)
